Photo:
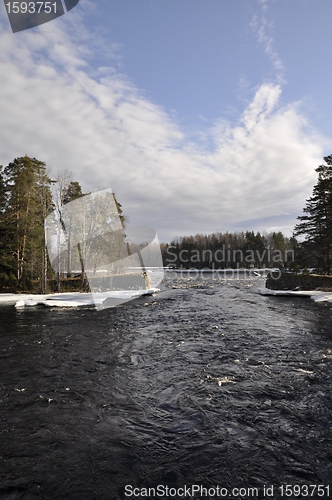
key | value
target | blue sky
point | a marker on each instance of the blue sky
(205, 58)
(201, 115)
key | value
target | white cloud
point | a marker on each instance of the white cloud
(262, 29)
(99, 126)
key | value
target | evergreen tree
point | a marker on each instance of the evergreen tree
(73, 192)
(316, 224)
(4, 276)
(24, 202)
(21, 223)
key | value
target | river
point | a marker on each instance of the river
(206, 383)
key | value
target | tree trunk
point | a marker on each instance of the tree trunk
(17, 232)
(82, 264)
(58, 267)
(44, 262)
(69, 254)
(24, 235)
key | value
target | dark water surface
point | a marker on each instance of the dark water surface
(206, 383)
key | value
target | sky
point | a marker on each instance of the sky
(201, 115)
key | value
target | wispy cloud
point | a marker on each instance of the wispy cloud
(263, 29)
(97, 124)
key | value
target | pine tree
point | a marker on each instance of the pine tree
(316, 224)
(21, 220)
(20, 212)
(4, 270)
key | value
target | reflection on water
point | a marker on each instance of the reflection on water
(205, 383)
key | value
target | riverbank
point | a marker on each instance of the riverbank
(72, 299)
(282, 280)
(286, 284)
(315, 295)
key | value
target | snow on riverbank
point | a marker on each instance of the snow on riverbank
(73, 299)
(316, 295)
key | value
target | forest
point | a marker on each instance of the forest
(230, 250)
(309, 247)
(28, 194)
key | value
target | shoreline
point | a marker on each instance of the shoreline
(71, 299)
(315, 295)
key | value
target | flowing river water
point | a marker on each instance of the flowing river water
(206, 383)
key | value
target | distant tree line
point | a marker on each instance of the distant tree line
(230, 250)
(310, 247)
(28, 194)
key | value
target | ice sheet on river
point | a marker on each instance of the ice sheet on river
(316, 295)
(73, 299)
